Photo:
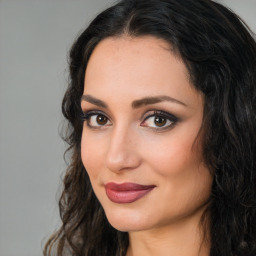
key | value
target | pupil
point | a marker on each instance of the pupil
(101, 120)
(160, 121)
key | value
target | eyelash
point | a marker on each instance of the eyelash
(162, 114)
(86, 116)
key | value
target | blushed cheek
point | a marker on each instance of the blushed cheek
(90, 158)
(172, 158)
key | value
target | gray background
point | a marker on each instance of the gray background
(35, 36)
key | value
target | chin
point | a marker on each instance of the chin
(125, 220)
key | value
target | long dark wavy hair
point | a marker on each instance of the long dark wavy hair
(219, 52)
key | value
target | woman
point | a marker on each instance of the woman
(161, 107)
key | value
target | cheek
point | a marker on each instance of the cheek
(91, 156)
(185, 180)
(179, 165)
(172, 156)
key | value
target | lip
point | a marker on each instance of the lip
(126, 192)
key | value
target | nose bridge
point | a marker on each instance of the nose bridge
(122, 151)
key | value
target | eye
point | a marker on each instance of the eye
(159, 120)
(95, 119)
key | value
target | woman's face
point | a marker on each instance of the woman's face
(140, 144)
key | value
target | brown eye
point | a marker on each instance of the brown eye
(95, 120)
(101, 120)
(160, 121)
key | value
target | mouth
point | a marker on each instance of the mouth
(126, 192)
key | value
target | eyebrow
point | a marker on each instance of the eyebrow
(136, 103)
(154, 100)
(94, 101)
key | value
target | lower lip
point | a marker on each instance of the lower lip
(125, 197)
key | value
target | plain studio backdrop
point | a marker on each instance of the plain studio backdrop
(35, 36)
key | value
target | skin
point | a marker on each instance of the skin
(128, 146)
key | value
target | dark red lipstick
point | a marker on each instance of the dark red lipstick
(126, 192)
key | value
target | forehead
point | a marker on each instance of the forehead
(139, 66)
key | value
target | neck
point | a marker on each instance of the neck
(182, 238)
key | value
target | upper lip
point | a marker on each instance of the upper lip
(127, 186)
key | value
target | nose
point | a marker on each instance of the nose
(122, 151)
